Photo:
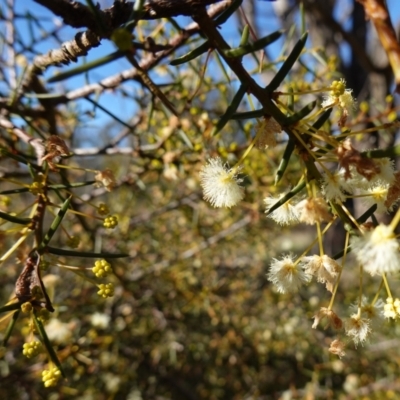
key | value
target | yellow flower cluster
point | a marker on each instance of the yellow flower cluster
(101, 268)
(51, 376)
(31, 349)
(106, 290)
(110, 222)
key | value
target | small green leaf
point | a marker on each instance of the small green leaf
(223, 17)
(22, 160)
(302, 18)
(86, 67)
(222, 66)
(252, 47)
(50, 350)
(97, 15)
(15, 220)
(393, 151)
(10, 327)
(245, 36)
(70, 185)
(285, 160)
(50, 187)
(301, 114)
(10, 307)
(198, 51)
(230, 110)
(318, 124)
(322, 119)
(249, 114)
(288, 64)
(72, 253)
(185, 138)
(300, 186)
(56, 223)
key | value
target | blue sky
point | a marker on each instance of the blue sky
(121, 108)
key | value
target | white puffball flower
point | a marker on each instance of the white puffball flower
(59, 332)
(220, 184)
(334, 185)
(377, 194)
(372, 311)
(391, 308)
(386, 166)
(286, 275)
(378, 250)
(100, 320)
(357, 328)
(286, 214)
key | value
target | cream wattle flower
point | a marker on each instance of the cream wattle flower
(221, 184)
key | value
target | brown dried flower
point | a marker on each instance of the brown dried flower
(337, 347)
(324, 268)
(55, 149)
(313, 210)
(105, 178)
(348, 156)
(332, 319)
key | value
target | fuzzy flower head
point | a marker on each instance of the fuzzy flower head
(377, 194)
(266, 131)
(334, 185)
(324, 268)
(60, 332)
(357, 328)
(386, 167)
(286, 214)
(220, 184)
(372, 311)
(100, 320)
(391, 309)
(286, 275)
(378, 250)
